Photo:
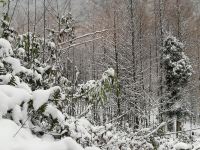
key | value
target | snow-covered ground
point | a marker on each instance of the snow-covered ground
(24, 140)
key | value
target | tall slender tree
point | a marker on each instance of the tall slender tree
(177, 71)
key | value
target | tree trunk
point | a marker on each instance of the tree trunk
(116, 64)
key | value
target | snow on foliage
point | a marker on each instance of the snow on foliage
(55, 113)
(40, 97)
(5, 48)
(106, 136)
(177, 71)
(11, 97)
(30, 99)
(97, 90)
(175, 61)
(109, 72)
(182, 146)
(26, 141)
(16, 66)
(92, 148)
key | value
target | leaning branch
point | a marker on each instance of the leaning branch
(82, 36)
(74, 45)
(119, 116)
(156, 129)
(85, 111)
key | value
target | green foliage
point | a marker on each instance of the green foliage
(3, 2)
(2, 71)
(68, 30)
(7, 67)
(30, 106)
(12, 81)
(42, 109)
(98, 91)
(7, 32)
(56, 95)
(31, 44)
(5, 26)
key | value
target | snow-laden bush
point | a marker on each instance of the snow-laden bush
(107, 137)
(97, 90)
(29, 102)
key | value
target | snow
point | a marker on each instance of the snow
(20, 52)
(5, 78)
(55, 113)
(24, 140)
(17, 114)
(18, 68)
(182, 146)
(51, 44)
(110, 72)
(45, 69)
(5, 48)
(11, 96)
(40, 97)
(79, 128)
(16, 65)
(85, 123)
(24, 86)
(92, 148)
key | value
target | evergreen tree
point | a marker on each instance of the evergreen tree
(177, 71)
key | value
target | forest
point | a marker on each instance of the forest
(99, 74)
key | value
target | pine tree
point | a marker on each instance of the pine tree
(177, 71)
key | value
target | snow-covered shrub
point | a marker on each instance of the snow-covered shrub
(6, 31)
(34, 104)
(20, 102)
(97, 90)
(29, 44)
(106, 137)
